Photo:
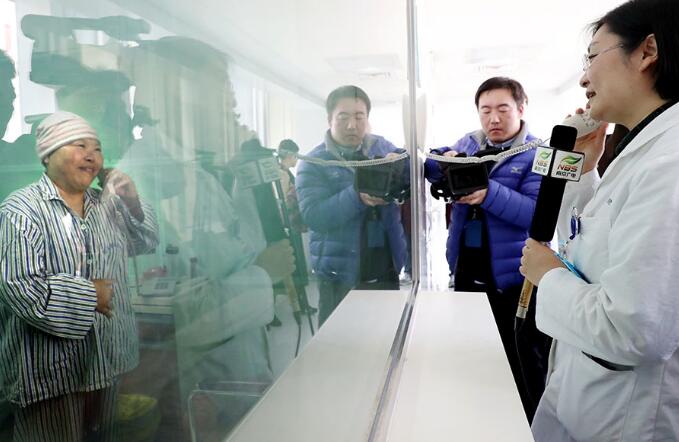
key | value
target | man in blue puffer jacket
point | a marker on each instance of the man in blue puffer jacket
(488, 228)
(357, 240)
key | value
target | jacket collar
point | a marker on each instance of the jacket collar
(660, 124)
(519, 139)
(332, 147)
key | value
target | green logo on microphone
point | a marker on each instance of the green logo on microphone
(571, 160)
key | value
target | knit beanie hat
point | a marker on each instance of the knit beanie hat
(59, 129)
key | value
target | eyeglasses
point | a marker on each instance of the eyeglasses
(587, 59)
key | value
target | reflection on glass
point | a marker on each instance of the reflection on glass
(357, 237)
(194, 227)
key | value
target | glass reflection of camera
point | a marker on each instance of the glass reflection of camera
(387, 181)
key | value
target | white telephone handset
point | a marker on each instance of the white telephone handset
(584, 123)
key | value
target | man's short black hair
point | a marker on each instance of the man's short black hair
(287, 148)
(348, 91)
(637, 19)
(6, 65)
(510, 84)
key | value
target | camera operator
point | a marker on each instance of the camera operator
(357, 240)
(489, 226)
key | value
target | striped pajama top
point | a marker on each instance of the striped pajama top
(52, 342)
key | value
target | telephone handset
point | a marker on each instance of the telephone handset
(584, 123)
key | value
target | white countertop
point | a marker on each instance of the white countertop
(456, 383)
(330, 391)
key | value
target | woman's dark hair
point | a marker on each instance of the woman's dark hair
(349, 91)
(637, 19)
(511, 85)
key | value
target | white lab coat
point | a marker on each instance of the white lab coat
(628, 248)
(220, 328)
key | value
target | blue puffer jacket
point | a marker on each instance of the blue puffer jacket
(509, 206)
(332, 209)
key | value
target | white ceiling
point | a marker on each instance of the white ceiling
(311, 46)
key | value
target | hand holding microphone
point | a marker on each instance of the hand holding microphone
(278, 260)
(579, 133)
(537, 260)
(547, 207)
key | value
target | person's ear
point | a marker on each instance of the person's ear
(649, 53)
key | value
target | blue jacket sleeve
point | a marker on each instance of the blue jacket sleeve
(513, 206)
(432, 171)
(322, 210)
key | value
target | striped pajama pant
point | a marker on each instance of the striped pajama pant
(75, 417)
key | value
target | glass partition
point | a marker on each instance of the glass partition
(231, 205)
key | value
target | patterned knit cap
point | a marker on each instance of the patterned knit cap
(59, 129)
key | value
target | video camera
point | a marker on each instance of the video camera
(387, 181)
(462, 179)
(60, 60)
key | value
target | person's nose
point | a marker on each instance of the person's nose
(90, 155)
(494, 118)
(351, 123)
(584, 81)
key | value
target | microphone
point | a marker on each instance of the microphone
(256, 168)
(547, 209)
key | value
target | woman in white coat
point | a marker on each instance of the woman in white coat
(614, 365)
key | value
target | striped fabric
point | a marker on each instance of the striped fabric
(60, 129)
(73, 417)
(52, 342)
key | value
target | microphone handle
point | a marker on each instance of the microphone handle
(274, 230)
(293, 298)
(524, 302)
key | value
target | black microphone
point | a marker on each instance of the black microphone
(256, 168)
(547, 209)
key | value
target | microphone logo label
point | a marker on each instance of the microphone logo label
(255, 172)
(567, 165)
(542, 160)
